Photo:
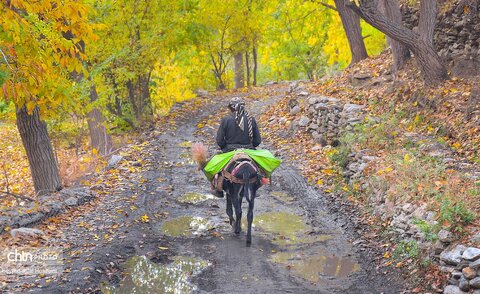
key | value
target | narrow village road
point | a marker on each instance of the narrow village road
(162, 232)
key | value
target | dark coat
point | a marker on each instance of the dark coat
(231, 137)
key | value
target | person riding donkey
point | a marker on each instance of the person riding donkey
(237, 136)
(238, 130)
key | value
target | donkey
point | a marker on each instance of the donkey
(241, 179)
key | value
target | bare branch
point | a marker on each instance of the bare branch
(328, 6)
(5, 58)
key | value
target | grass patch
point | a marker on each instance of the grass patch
(406, 174)
(406, 250)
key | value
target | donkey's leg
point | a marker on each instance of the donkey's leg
(230, 209)
(237, 202)
(250, 218)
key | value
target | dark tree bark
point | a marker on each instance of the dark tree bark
(36, 141)
(427, 21)
(99, 137)
(432, 67)
(351, 25)
(400, 53)
(255, 65)
(239, 71)
(219, 69)
(139, 97)
(247, 68)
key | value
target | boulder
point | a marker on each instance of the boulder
(471, 253)
(445, 236)
(463, 284)
(31, 232)
(72, 201)
(114, 160)
(453, 255)
(353, 108)
(475, 283)
(303, 121)
(303, 93)
(201, 93)
(469, 273)
(452, 289)
(295, 110)
(475, 265)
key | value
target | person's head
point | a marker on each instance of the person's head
(236, 103)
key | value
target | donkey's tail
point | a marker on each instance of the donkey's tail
(246, 186)
(199, 154)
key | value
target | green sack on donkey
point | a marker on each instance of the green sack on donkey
(263, 158)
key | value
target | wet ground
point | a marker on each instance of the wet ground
(162, 232)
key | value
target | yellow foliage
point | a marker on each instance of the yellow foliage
(38, 55)
(173, 83)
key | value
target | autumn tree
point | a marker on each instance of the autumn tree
(400, 52)
(38, 60)
(127, 53)
(296, 41)
(421, 43)
(351, 25)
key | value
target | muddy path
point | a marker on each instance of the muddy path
(160, 231)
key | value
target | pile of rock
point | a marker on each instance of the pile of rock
(44, 207)
(357, 163)
(328, 118)
(457, 35)
(463, 263)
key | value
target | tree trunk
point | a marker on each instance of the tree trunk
(430, 64)
(255, 65)
(247, 68)
(145, 98)
(218, 70)
(139, 97)
(239, 71)
(351, 25)
(400, 53)
(131, 98)
(428, 19)
(99, 138)
(39, 151)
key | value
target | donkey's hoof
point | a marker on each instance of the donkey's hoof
(249, 241)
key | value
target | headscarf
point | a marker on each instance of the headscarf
(238, 107)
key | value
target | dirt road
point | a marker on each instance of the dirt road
(160, 231)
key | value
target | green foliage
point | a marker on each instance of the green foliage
(428, 230)
(406, 249)
(340, 155)
(456, 215)
(3, 77)
(4, 107)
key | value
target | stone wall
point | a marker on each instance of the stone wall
(457, 35)
(328, 118)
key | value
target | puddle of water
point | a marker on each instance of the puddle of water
(194, 198)
(144, 276)
(186, 144)
(313, 267)
(288, 228)
(282, 223)
(186, 226)
(282, 196)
